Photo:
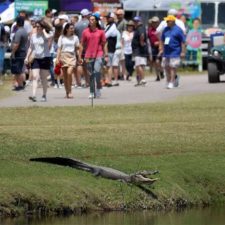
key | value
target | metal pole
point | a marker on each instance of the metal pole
(92, 83)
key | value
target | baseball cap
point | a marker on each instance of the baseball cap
(63, 17)
(85, 12)
(137, 18)
(170, 18)
(110, 15)
(172, 12)
(96, 14)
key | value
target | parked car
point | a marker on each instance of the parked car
(216, 63)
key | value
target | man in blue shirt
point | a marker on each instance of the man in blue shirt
(172, 48)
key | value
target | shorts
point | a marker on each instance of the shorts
(171, 62)
(114, 58)
(17, 66)
(44, 63)
(140, 61)
(155, 52)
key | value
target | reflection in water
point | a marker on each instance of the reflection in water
(188, 217)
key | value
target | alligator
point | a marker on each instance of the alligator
(137, 178)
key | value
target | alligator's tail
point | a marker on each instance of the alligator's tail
(74, 163)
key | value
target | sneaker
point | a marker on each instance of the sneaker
(33, 98)
(91, 96)
(177, 79)
(143, 82)
(84, 86)
(28, 83)
(108, 85)
(19, 88)
(60, 86)
(43, 99)
(137, 84)
(55, 86)
(162, 75)
(1, 82)
(170, 85)
(98, 93)
(115, 83)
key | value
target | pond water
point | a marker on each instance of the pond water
(207, 216)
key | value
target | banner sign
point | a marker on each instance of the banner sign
(37, 7)
(71, 5)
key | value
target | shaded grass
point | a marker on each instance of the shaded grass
(182, 139)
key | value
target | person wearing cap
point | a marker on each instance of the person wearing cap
(74, 19)
(127, 37)
(113, 37)
(140, 50)
(178, 22)
(172, 48)
(94, 41)
(83, 23)
(154, 42)
(63, 18)
(79, 28)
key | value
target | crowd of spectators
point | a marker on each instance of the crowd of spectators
(94, 50)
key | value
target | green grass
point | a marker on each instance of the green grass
(5, 90)
(184, 140)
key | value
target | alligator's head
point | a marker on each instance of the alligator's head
(140, 179)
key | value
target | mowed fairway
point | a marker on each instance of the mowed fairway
(184, 140)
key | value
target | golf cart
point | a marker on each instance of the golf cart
(216, 59)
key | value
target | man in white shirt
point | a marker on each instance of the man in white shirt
(178, 22)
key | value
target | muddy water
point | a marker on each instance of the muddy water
(208, 216)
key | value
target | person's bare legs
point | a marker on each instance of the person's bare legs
(140, 72)
(123, 67)
(172, 74)
(36, 76)
(115, 71)
(43, 75)
(168, 75)
(67, 73)
(86, 76)
(77, 75)
(109, 75)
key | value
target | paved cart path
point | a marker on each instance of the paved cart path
(126, 93)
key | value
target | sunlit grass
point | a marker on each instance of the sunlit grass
(184, 140)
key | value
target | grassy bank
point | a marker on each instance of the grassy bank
(184, 140)
(5, 90)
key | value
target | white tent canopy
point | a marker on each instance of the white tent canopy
(146, 5)
(8, 15)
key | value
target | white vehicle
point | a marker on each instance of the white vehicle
(212, 15)
(212, 11)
